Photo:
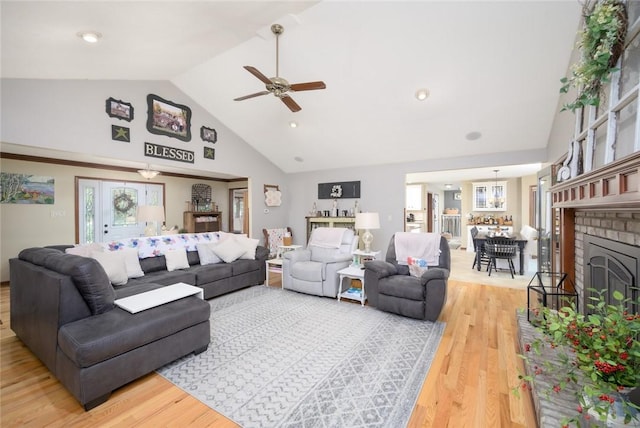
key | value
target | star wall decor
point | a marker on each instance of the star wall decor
(209, 153)
(120, 133)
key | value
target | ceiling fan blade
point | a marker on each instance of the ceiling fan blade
(259, 75)
(288, 101)
(257, 94)
(308, 86)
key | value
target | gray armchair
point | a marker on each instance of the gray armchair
(314, 270)
(391, 288)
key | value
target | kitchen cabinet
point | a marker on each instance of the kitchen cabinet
(490, 196)
(415, 221)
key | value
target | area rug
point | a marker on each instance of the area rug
(278, 358)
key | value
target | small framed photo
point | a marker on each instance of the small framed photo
(168, 118)
(208, 134)
(119, 109)
(209, 153)
(457, 196)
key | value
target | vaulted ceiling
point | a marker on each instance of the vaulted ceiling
(491, 67)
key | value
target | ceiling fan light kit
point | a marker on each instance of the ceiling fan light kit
(422, 94)
(279, 86)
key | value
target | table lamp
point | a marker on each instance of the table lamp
(366, 222)
(151, 214)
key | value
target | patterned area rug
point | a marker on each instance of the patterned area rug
(278, 358)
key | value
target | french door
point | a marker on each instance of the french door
(107, 210)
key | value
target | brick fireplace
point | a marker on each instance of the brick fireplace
(612, 237)
(605, 204)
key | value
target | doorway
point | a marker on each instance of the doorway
(107, 210)
(239, 212)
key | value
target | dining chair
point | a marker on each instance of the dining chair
(500, 247)
(483, 254)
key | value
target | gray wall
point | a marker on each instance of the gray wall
(70, 116)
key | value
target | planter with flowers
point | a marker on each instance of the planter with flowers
(601, 44)
(596, 357)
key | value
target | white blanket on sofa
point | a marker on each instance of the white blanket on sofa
(418, 245)
(327, 237)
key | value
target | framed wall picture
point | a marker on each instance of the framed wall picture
(208, 134)
(209, 153)
(119, 109)
(339, 190)
(120, 133)
(168, 118)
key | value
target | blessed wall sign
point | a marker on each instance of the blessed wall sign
(171, 153)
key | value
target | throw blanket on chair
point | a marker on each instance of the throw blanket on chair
(327, 237)
(418, 245)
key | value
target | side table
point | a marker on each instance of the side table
(275, 265)
(352, 272)
(361, 256)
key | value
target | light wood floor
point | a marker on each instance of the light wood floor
(469, 383)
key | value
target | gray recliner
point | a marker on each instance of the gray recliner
(391, 288)
(314, 270)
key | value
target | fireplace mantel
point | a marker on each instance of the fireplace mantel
(615, 185)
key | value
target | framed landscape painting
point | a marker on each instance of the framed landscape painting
(168, 118)
(26, 189)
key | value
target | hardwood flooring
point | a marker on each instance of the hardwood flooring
(469, 383)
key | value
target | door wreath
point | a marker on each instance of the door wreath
(123, 203)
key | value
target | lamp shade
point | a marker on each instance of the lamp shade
(150, 213)
(367, 221)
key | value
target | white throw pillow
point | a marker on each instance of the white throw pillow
(229, 250)
(113, 264)
(85, 250)
(132, 262)
(206, 254)
(249, 245)
(176, 259)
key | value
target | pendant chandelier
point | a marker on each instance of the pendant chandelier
(497, 199)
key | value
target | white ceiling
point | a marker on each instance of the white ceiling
(490, 66)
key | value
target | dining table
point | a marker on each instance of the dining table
(520, 240)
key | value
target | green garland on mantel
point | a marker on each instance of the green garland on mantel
(602, 42)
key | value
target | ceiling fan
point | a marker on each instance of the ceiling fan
(279, 86)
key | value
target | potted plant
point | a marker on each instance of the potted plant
(601, 43)
(597, 357)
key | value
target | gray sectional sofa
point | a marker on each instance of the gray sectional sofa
(215, 279)
(62, 308)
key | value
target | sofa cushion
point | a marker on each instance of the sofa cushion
(403, 286)
(99, 338)
(308, 271)
(113, 264)
(164, 277)
(243, 266)
(176, 259)
(229, 250)
(209, 273)
(250, 245)
(132, 262)
(206, 254)
(153, 264)
(88, 276)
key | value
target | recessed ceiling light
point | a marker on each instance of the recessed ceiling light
(298, 159)
(475, 135)
(422, 94)
(447, 186)
(293, 124)
(89, 36)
